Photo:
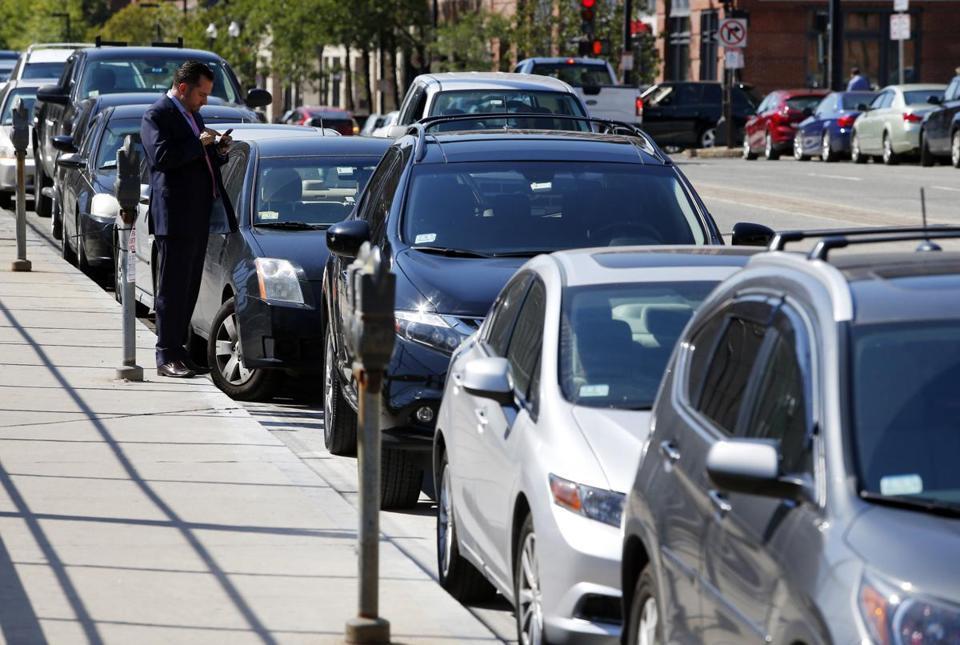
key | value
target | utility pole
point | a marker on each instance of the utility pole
(835, 64)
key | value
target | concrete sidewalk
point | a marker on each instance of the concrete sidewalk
(162, 511)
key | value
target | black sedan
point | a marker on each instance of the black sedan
(86, 176)
(259, 312)
(940, 133)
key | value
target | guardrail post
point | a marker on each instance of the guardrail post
(21, 140)
(127, 188)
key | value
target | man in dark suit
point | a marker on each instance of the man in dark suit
(184, 159)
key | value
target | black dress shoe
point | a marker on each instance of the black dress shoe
(196, 368)
(175, 369)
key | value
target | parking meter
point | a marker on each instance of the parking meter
(127, 184)
(21, 141)
(21, 129)
(370, 322)
(127, 189)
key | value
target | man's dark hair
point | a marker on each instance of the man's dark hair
(855, 70)
(190, 73)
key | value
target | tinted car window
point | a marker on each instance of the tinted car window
(919, 97)
(42, 70)
(505, 313)
(852, 101)
(514, 101)
(524, 350)
(145, 74)
(29, 96)
(112, 140)
(615, 340)
(883, 100)
(518, 207)
(701, 348)
(576, 74)
(382, 201)
(801, 103)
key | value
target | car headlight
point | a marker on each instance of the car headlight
(594, 503)
(430, 329)
(104, 206)
(894, 616)
(278, 280)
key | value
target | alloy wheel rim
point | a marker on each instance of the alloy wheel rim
(709, 138)
(328, 387)
(855, 150)
(887, 149)
(530, 601)
(445, 523)
(825, 146)
(647, 633)
(228, 354)
(955, 149)
(746, 146)
(797, 152)
(768, 145)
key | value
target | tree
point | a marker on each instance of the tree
(466, 44)
(139, 25)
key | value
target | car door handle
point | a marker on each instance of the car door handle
(669, 450)
(720, 503)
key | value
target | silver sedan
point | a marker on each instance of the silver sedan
(541, 425)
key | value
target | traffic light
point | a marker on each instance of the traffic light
(594, 47)
(587, 16)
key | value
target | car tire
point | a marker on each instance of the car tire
(798, 149)
(955, 149)
(339, 419)
(7, 200)
(457, 575)
(400, 478)
(41, 204)
(926, 157)
(643, 623)
(225, 358)
(66, 252)
(827, 154)
(748, 153)
(890, 158)
(56, 220)
(528, 608)
(708, 138)
(769, 151)
(856, 155)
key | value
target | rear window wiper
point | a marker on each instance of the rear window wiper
(919, 503)
(293, 226)
(453, 253)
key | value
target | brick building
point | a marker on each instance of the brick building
(788, 41)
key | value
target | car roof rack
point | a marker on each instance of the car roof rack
(178, 44)
(38, 46)
(838, 238)
(99, 42)
(419, 129)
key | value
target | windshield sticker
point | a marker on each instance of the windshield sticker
(594, 390)
(425, 238)
(268, 215)
(344, 171)
(541, 185)
(901, 485)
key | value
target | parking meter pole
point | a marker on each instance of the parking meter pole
(369, 339)
(128, 196)
(20, 141)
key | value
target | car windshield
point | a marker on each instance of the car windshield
(852, 101)
(501, 207)
(906, 412)
(318, 191)
(615, 340)
(919, 97)
(29, 96)
(576, 74)
(512, 101)
(148, 74)
(43, 70)
(800, 103)
(112, 140)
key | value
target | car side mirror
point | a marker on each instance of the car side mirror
(933, 99)
(53, 94)
(752, 467)
(750, 234)
(64, 143)
(71, 160)
(344, 239)
(257, 97)
(396, 131)
(488, 378)
(863, 107)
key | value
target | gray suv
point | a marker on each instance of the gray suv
(801, 482)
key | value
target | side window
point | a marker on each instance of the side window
(91, 133)
(504, 313)
(524, 350)
(371, 201)
(66, 74)
(731, 364)
(953, 90)
(701, 349)
(408, 112)
(379, 208)
(233, 174)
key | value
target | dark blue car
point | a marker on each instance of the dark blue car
(826, 132)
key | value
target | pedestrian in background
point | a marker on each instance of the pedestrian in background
(186, 201)
(858, 82)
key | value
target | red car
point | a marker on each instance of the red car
(772, 128)
(316, 115)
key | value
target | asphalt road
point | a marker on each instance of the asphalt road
(784, 194)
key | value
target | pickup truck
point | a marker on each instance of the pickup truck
(594, 81)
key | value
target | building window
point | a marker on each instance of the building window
(709, 23)
(678, 49)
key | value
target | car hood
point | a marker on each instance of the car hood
(307, 249)
(456, 286)
(910, 546)
(615, 436)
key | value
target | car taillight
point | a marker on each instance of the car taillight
(846, 121)
(910, 117)
(639, 104)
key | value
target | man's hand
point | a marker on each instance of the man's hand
(208, 136)
(224, 143)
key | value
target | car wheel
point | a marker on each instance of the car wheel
(708, 138)
(82, 263)
(400, 478)
(748, 153)
(41, 204)
(225, 358)
(955, 149)
(7, 200)
(769, 151)
(856, 155)
(890, 158)
(56, 220)
(798, 149)
(644, 626)
(826, 149)
(461, 579)
(339, 419)
(926, 157)
(526, 587)
(66, 252)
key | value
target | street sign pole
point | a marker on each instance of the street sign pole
(732, 34)
(370, 338)
(127, 188)
(21, 139)
(900, 57)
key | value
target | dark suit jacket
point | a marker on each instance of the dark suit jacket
(180, 192)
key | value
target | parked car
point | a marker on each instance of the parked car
(8, 60)
(940, 130)
(773, 127)
(890, 126)
(389, 119)
(799, 484)
(371, 123)
(685, 114)
(455, 93)
(596, 83)
(826, 132)
(96, 71)
(456, 214)
(10, 92)
(541, 426)
(340, 120)
(44, 60)
(258, 314)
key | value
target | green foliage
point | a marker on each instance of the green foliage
(136, 24)
(464, 44)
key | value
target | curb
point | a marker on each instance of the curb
(713, 153)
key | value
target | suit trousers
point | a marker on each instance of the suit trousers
(179, 272)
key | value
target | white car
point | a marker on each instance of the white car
(44, 60)
(382, 130)
(542, 424)
(11, 91)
